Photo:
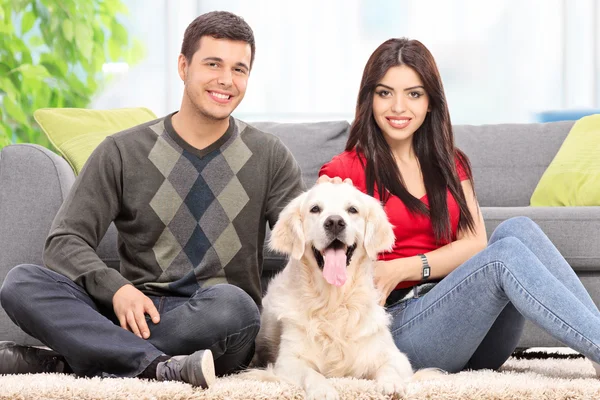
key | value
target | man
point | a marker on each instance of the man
(189, 195)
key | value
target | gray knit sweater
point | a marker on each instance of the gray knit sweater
(186, 218)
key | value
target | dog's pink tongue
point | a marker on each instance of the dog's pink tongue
(334, 270)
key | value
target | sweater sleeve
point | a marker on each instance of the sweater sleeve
(285, 182)
(81, 222)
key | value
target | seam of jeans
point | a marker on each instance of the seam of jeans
(443, 297)
(161, 305)
(591, 343)
(252, 325)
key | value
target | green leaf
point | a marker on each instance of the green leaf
(137, 52)
(7, 86)
(114, 49)
(55, 23)
(34, 71)
(5, 135)
(58, 64)
(67, 30)
(98, 58)
(36, 41)
(4, 69)
(14, 110)
(27, 22)
(83, 38)
(118, 32)
(98, 35)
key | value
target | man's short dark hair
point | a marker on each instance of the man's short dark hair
(219, 25)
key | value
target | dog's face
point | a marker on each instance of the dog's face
(328, 223)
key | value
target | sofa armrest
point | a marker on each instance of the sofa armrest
(34, 181)
(33, 184)
(573, 230)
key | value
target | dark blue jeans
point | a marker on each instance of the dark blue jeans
(59, 313)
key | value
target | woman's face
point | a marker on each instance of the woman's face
(400, 104)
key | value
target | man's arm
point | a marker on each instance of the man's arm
(81, 222)
(286, 182)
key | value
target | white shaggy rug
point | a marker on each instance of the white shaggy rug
(548, 379)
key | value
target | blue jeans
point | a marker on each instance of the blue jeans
(60, 313)
(474, 317)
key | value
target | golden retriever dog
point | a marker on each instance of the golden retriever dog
(321, 316)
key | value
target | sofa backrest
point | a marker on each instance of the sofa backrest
(508, 160)
(312, 144)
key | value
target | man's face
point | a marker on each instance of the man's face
(216, 78)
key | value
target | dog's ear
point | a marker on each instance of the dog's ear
(379, 234)
(287, 236)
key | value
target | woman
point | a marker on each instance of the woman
(457, 301)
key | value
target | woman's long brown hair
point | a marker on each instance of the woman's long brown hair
(433, 142)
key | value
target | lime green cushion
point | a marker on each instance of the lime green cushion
(76, 132)
(573, 177)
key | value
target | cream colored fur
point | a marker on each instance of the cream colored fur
(312, 330)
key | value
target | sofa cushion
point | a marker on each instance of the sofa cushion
(76, 132)
(509, 159)
(573, 230)
(573, 176)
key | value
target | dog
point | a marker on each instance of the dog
(321, 316)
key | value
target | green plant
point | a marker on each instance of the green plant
(51, 55)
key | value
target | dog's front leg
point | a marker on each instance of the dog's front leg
(316, 386)
(395, 371)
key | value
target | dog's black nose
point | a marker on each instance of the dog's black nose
(334, 224)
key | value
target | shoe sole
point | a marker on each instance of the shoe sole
(200, 377)
(208, 368)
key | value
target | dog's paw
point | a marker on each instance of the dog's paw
(390, 385)
(322, 392)
(403, 368)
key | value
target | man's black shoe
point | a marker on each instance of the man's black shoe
(18, 359)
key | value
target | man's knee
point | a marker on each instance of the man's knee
(13, 289)
(234, 309)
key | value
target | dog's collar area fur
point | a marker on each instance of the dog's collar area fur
(336, 244)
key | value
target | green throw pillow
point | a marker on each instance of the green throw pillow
(76, 132)
(573, 177)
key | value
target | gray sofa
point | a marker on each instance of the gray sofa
(507, 161)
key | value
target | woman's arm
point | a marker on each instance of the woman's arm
(442, 261)
(445, 259)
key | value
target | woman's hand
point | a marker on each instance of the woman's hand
(386, 275)
(335, 179)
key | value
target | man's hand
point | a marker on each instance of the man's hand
(386, 276)
(336, 179)
(131, 307)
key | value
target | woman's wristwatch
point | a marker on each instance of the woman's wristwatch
(426, 268)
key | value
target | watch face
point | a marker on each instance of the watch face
(426, 272)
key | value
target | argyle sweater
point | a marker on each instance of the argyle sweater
(186, 218)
